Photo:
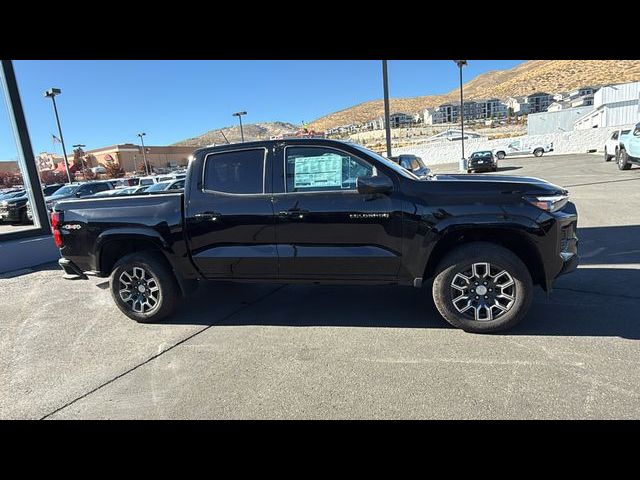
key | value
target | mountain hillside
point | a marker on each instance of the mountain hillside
(252, 131)
(551, 76)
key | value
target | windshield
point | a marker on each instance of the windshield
(7, 196)
(158, 187)
(480, 154)
(67, 190)
(413, 163)
(387, 163)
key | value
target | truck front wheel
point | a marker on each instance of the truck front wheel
(482, 287)
(623, 160)
(144, 287)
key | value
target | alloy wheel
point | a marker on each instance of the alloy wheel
(139, 289)
(483, 292)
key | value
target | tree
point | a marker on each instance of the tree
(141, 169)
(114, 170)
(8, 179)
(49, 177)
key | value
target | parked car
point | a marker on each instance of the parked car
(148, 180)
(76, 190)
(176, 176)
(519, 148)
(612, 143)
(126, 182)
(483, 160)
(297, 210)
(47, 190)
(14, 208)
(51, 189)
(11, 193)
(412, 163)
(165, 187)
(136, 190)
(629, 149)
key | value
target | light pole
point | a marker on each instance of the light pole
(239, 115)
(144, 154)
(51, 93)
(461, 165)
(387, 125)
(84, 170)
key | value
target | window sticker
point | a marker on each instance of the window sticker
(321, 171)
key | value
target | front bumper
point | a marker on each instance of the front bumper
(8, 214)
(565, 258)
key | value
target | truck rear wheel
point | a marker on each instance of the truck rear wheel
(144, 287)
(500, 155)
(538, 152)
(482, 287)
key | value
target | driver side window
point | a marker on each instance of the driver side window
(318, 169)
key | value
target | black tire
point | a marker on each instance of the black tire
(495, 168)
(607, 157)
(623, 159)
(461, 260)
(158, 273)
(538, 152)
(501, 155)
(469, 171)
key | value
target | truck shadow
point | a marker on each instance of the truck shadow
(599, 299)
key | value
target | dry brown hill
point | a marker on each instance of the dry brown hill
(252, 131)
(551, 76)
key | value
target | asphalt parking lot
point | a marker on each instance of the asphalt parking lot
(282, 351)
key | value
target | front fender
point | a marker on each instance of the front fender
(439, 237)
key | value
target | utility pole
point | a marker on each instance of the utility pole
(387, 125)
(239, 115)
(144, 154)
(461, 165)
(51, 93)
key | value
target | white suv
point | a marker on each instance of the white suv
(612, 143)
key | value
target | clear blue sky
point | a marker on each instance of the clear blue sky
(108, 102)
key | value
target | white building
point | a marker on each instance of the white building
(554, 121)
(613, 105)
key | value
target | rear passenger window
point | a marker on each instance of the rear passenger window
(235, 172)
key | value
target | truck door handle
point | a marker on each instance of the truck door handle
(211, 216)
(295, 213)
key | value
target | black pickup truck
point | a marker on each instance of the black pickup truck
(326, 212)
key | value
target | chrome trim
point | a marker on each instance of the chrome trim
(264, 170)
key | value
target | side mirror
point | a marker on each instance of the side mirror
(78, 194)
(378, 184)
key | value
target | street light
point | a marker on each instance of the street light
(461, 63)
(239, 115)
(84, 169)
(144, 154)
(387, 125)
(51, 93)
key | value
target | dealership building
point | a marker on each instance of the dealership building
(128, 155)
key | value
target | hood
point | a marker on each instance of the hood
(511, 183)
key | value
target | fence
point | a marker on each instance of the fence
(575, 141)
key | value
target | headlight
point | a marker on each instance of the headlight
(549, 203)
